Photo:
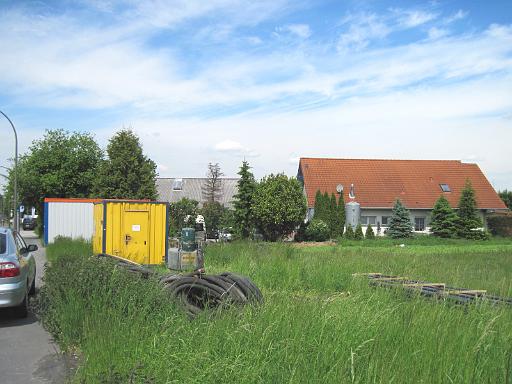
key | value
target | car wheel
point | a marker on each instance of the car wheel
(22, 309)
(33, 287)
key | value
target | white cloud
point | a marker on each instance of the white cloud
(362, 29)
(301, 30)
(234, 147)
(459, 15)
(414, 18)
(436, 33)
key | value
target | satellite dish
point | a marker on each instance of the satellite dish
(339, 188)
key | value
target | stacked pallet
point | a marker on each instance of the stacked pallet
(438, 290)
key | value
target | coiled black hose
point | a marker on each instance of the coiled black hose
(197, 291)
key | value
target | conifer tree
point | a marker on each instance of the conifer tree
(349, 233)
(369, 232)
(243, 201)
(358, 234)
(400, 222)
(318, 205)
(341, 215)
(444, 219)
(333, 216)
(468, 216)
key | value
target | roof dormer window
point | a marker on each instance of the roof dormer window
(445, 187)
(177, 185)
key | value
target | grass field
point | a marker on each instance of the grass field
(318, 324)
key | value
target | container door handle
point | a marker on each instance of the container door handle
(127, 238)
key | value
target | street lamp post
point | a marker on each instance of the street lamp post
(16, 214)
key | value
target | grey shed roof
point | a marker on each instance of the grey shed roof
(191, 188)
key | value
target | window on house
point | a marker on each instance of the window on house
(365, 220)
(445, 187)
(419, 223)
(385, 220)
(177, 185)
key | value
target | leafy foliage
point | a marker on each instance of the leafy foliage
(61, 164)
(279, 206)
(212, 187)
(178, 211)
(358, 234)
(242, 202)
(500, 224)
(506, 196)
(444, 219)
(127, 173)
(400, 222)
(317, 230)
(216, 216)
(369, 234)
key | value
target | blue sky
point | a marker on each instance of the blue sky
(268, 81)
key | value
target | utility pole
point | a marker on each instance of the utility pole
(16, 213)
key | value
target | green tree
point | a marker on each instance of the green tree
(177, 213)
(400, 222)
(341, 215)
(358, 234)
(333, 216)
(349, 233)
(216, 216)
(127, 173)
(506, 196)
(61, 164)
(369, 234)
(279, 206)
(444, 220)
(317, 230)
(468, 214)
(242, 202)
(318, 205)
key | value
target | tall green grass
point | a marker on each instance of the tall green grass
(318, 324)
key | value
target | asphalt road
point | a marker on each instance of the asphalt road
(27, 353)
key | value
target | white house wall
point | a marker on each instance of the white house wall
(74, 220)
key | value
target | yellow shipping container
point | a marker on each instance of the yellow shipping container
(133, 230)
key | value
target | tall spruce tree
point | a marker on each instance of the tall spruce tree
(467, 212)
(243, 201)
(444, 219)
(400, 222)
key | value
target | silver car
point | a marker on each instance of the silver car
(17, 271)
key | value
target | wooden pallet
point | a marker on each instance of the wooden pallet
(426, 288)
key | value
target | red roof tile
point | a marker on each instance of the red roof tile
(378, 183)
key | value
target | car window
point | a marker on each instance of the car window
(3, 243)
(20, 243)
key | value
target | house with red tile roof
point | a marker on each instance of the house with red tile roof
(376, 184)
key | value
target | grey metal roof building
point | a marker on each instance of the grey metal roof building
(174, 189)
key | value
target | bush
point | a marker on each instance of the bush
(369, 232)
(500, 225)
(358, 234)
(317, 230)
(349, 233)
